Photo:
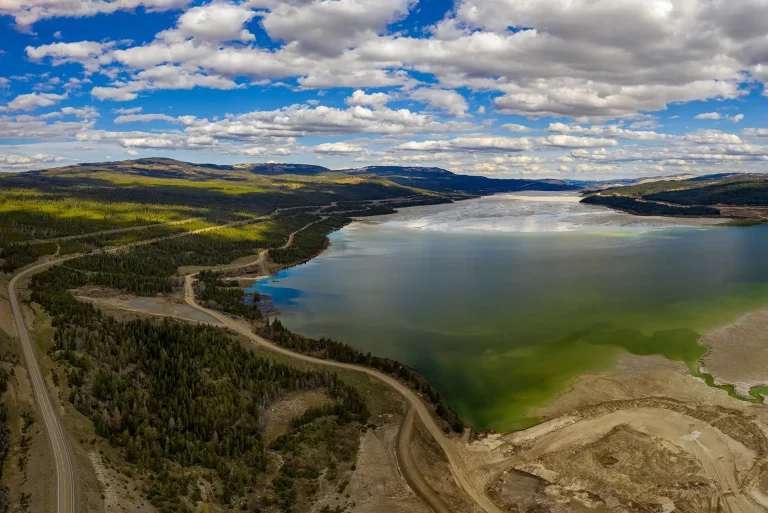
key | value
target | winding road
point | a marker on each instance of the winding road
(460, 471)
(65, 477)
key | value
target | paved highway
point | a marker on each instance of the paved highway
(65, 482)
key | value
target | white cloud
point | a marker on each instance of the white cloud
(161, 77)
(81, 51)
(360, 97)
(81, 113)
(300, 120)
(27, 12)
(329, 28)
(608, 131)
(17, 162)
(338, 148)
(442, 99)
(33, 101)
(143, 118)
(708, 116)
(215, 22)
(26, 127)
(134, 110)
(712, 137)
(505, 144)
(512, 127)
(736, 119)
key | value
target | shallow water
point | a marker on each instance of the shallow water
(500, 302)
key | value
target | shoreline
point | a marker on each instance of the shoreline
(698, 370)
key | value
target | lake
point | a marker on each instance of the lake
(502, 301)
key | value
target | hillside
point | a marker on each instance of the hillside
(441, 180)
(721, 195)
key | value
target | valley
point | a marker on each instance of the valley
(433, 348)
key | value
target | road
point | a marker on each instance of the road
(410, 472)
(109, 232)
(64, 474)
(413, 477)
(459, 469)
(65, 481)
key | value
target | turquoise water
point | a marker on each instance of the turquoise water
(501, 302)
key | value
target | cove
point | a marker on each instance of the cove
(502, 301)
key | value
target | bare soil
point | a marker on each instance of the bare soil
(646, 436)
(278, 416)
(155, 306)
(376, 485)
(433, 465)
(738, 353)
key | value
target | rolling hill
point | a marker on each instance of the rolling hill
(726, 195)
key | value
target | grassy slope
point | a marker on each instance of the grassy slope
(90, 198)
(695, 197)
(83, 199)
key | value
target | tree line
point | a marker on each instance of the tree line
(169, 392)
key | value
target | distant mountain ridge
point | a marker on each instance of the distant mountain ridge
(428, 178)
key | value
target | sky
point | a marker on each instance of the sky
(582, 89)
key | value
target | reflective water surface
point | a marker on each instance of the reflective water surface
(500, 302)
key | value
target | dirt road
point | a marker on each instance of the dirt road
(110, 232)
(65, 477)
(460, 471)
(410, 472)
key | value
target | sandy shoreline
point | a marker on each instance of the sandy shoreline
(738, 352)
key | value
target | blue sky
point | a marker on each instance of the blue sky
(504, 88)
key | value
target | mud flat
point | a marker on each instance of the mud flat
(645, 436)
(738, 353)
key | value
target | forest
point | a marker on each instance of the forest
(214, 292)
(171, 396)
(650, 208)
(700, 193)
(325, 348)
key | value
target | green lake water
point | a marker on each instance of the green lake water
(501, 302)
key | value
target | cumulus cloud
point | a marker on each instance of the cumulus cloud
(28, 12)
(33, 101)
(708, 116)
(360, 97)
(338, 148)
(62, 53)
(132, 110)
(506, 144)
(215, 22)
(755, 132)
(301, 120)
(162, 77)
(38, 127)
(609, 68)
(143, 118)
(446, 100)
(19, 162)
(309, 24)
(608, 131)
(512, 127)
